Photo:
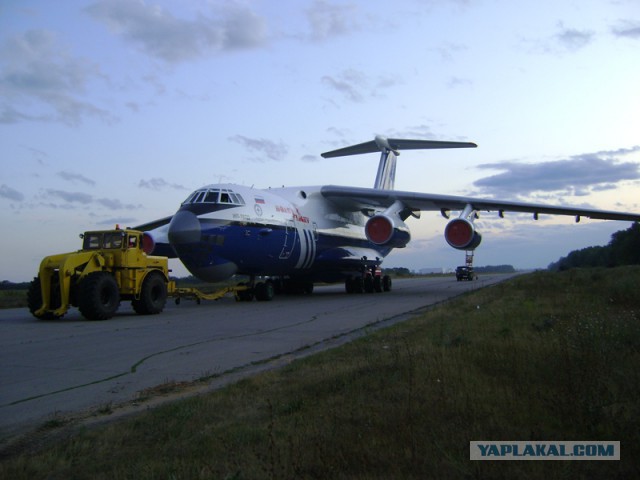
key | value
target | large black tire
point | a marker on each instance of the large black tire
(358, 284)
(153, 295)
(34, 300)
(368, 284)
(264, 291)
(386, 283)
(244, 295)
(99, 297)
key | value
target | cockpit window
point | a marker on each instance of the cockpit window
(214, 195)
(211, 196)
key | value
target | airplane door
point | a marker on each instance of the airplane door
(290, 236)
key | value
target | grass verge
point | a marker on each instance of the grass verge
(547, 356)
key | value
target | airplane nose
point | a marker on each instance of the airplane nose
(184, 228)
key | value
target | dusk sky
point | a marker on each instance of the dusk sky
(113, 111)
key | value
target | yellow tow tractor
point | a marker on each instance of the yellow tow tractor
(112, 266)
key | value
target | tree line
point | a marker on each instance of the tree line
(623, 249)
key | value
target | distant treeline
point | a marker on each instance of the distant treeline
(7, 285)
(623, 249)
(495, 269)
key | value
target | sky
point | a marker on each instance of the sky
(113, 111)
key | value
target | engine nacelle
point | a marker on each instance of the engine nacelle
(151, 246)
(461, 234)
(384, 230)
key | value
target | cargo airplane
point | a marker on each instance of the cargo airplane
(291, 238)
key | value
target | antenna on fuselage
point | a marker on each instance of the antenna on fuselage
(390, 148)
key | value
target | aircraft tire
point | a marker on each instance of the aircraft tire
(245, 295)
(99, 297)
(264, 291)
(368, 284)
(386, 283)
(153, 295)
(348, 285)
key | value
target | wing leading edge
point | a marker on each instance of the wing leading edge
(355, 198)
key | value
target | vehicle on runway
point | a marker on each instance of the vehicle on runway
(298, 236)
(465, 272)
(111, 266)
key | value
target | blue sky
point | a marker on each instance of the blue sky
(112, 111)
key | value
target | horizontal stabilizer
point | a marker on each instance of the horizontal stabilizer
(380, 144)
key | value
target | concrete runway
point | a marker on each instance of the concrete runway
(73, 367)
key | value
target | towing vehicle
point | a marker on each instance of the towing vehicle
(112, 266)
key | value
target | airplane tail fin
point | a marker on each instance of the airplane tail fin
(390, 148)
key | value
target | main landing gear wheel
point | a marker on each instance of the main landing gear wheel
(369, 284)
(244, 295)
(264, 291)
(354, 284)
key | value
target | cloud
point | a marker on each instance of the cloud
(10, 194)
(75, 177)
(455, 82)
(273, 151)
(448, 51)
(159, 184)
(572, 39)
(355, 86)
(86, 199)
(161, 35)
(349, 83)
(577, 175)
(330, 20)
(310, 158)
(110, 222)
(627, 29)
(114, 204)
(70, 197)
(42, 81)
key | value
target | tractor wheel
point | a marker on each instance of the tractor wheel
(34, 300)
(99, 297)
(153, 295)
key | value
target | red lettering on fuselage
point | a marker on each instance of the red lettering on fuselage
(294, 212)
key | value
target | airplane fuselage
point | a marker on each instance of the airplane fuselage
(222, 230)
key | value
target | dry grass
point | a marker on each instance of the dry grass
(543, 357)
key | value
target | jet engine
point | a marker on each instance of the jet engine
(156, 246)
(461, 234)
(388, 228)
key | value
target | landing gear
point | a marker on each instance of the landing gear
(369, 281)
(261, 291)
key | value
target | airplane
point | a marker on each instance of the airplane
(297, 236)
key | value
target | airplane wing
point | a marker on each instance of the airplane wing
(356, 199)
(154, 224)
